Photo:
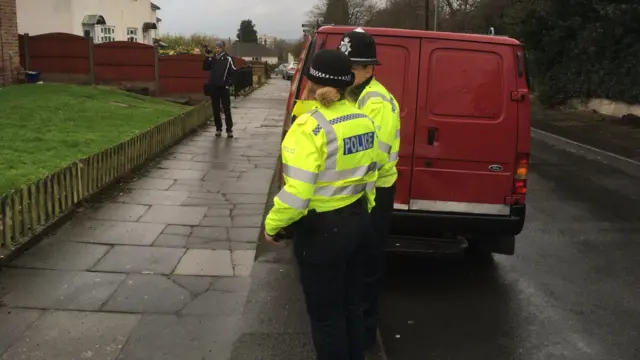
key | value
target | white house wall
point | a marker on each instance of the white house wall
(122, 14)
(45, 16)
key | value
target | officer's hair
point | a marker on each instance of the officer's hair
(328, 95)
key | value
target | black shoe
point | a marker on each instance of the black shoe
(218, 133)
(229, 133)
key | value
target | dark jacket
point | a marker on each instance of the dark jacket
(220, 70)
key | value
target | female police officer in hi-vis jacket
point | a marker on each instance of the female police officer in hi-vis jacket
(329, 165)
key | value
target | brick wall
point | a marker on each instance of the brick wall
(9, 51)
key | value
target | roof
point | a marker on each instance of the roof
(155, 7)
(252, 50)
(503, 40)
(93, 20)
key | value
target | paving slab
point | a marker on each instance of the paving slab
(64, 335)
(211, 233)
(66, 290)
(170, 240)
(140, 259)
(216, 304)
(154, 197)
(14, 323)
(117, 212)
(146, 183)
(242, 261)
(109, 232)
(59, 255)
(148, 294)
(243, 234)
(196, 285)
(177, 230)
(205, 263)
(171, 337)
(183, 165)
(174, 215)
(246, 221)
(176, 174)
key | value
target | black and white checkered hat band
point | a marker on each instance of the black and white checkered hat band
(319, 74)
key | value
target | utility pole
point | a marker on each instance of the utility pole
(436, 12)
(426, 14)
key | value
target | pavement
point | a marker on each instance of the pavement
(172, 269)
(571, 291)
(161, 271)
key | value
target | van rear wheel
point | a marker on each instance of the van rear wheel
(479, 246)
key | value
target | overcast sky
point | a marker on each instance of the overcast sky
(281, 18)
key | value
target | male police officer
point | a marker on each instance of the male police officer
(374, 100)
(329, 165)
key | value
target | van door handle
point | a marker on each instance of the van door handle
(432, 135)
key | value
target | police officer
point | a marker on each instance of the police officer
(377, 102)
(329, 166)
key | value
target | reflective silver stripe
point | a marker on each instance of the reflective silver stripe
(296, 173)
(384, 147)
(397, 134)
(331, 191)
(374, 94)
(332, 140)
(393, 156)
(330, 133)
(339, 175)
(292, 200)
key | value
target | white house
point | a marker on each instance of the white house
(268, 41)
(254, 51)
(104, 20)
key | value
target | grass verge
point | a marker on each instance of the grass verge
(45, 127)
(589, 128)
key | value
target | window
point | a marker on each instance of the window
(105, 33)
(255, 58)
(132, 34)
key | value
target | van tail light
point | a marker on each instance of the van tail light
(521, 173)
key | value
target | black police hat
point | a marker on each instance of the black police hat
(331, 68)
(360, 47)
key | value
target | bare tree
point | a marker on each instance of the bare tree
(360, 11)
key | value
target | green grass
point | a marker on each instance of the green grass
(45, 127)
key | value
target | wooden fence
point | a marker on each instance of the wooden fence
(26, 211)
(62, 57)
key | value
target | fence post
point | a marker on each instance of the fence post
(92, 68)
(156, 64)
(27, 59)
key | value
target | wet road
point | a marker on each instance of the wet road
(572, 291)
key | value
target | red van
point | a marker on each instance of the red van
(465, 134)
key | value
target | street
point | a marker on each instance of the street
(570, 292)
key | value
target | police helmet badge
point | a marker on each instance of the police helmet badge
(345, 45)
(359, 30)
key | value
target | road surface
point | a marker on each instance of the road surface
(572, 291)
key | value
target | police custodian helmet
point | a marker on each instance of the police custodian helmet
(331, 68)
(360, 47)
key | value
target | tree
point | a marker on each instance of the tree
(337, 12)
(360, 11)
(247, 32)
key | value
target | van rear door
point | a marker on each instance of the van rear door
(400, 57)
(466, 129)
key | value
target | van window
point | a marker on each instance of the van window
(466, 84)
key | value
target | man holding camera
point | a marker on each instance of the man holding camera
(221, 70)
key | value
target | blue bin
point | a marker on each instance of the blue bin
(32, 77)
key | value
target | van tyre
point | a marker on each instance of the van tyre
(483, 246)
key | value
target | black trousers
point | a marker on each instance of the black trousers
(221, 95)
(374, 267)
(330, 248)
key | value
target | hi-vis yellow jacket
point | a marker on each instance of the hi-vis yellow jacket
(329, 161)
(383, 109)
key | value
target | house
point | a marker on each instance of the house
(104, 20)
(254, 51)
(9, 48)
(268, 41)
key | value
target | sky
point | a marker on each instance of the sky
(281, 18)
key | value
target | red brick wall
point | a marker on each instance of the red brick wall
(9, 49)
